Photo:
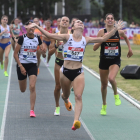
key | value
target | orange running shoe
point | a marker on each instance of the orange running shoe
(76, 125)
(68, 105)
(38, 71)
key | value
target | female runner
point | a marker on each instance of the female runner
(71, 71)
(16, 29)
(64, 24)
(5, 44)
(110, 61)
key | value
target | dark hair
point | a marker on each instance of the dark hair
(72, 27)
(28, 22)
(109, 14)
(12, 22)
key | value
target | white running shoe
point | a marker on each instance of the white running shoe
(47, 64)
(45, 60)
(57, 111)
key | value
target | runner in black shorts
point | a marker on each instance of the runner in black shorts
(25, 56)
(110, 60)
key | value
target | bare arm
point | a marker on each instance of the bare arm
(97, 45)
(11, 28)
(22, 69)
(16, 54)
(61, 37)
(52, 48)
(118, 26)
(122, 34)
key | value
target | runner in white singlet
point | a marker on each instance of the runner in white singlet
(74, 48)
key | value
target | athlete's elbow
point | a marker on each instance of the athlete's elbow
(94, 48)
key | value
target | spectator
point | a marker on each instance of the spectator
(137, 25)
(95, 23)
(90, 24)
(31, 19)
(101, 23)
(54, 23)
(132, 25)
(85, 23)
(41, 19)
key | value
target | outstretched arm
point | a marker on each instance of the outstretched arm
(97, 45)
(61, 37)
(107, 36)
(52, 47)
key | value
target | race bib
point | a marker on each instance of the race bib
(74, 53)
(111, 51)
(17, 31)
(6, 35)
(29, 53)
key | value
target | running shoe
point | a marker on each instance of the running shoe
(38, 71)
(45, 59)
(103, 110)
(2, 66)
(76, 125)
(47, 64)
(117, 100)
(57, 111)
(32, 113)
(68, 105)
(6, 74)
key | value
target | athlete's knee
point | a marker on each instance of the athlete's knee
(104, 85)
(111, 79)
(78, 97)
(6, 56)
(57, 87)
(32, 87)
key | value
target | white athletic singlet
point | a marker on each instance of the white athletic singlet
(5, 35)
(27, 53)
(73, 50)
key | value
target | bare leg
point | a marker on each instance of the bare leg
(32, 79)
(104, 83)
(23, 85)
(113, 70)
(57, 84)
(78, 85)
(7, 51)
(1, 55)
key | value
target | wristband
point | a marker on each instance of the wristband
(55, 46)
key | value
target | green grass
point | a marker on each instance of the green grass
(130, 86)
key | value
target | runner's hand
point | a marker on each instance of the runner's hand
(130, 53)
(31, 25)
(43, 49)
(22, 69)
(5, 31)
(119, 25)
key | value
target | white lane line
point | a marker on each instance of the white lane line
(6, 101)
(124, 95)
(82, 122)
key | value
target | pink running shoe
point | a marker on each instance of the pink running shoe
(32, 114)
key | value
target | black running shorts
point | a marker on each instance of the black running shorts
(31, 69)
(106, 63)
